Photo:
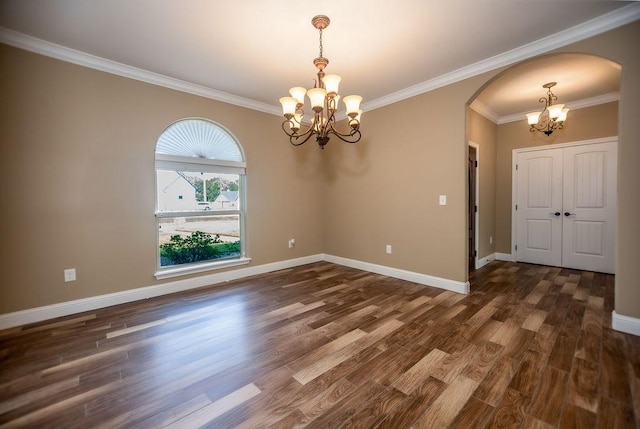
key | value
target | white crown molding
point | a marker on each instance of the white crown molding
(573, 105)
(485, 111)
(39, 46)
(617, 18)
(593, 27)
(594, 101)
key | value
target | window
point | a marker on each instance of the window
(200, 188)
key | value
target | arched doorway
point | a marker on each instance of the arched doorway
(496, 122)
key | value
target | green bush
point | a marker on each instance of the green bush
(199, 246)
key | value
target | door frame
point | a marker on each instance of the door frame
(477, 199)
(514, 189)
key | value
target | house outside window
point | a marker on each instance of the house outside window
(200, 190)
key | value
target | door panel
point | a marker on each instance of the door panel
(539, 196)
(566, 200)
(589, 205)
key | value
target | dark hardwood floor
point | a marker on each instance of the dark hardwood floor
(325, 346)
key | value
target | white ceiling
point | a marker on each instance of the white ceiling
(581, 80)
(384, 51)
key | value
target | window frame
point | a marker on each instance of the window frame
(194, 164)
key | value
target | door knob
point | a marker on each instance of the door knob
(569, 214)
(556, 214)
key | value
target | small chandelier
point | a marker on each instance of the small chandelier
(551, 117)
(324, 103)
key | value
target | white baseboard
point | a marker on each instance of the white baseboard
(626, 324)
(484, 261)
(425, 279)
(47, 312)
(508, 257)
(39, 314)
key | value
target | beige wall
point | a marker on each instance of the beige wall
(77, 173)
(384, 190)
(69, 130)
(483, 132)
(582, 124)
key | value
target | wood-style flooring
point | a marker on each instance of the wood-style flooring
(326, 346)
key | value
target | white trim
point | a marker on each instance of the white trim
(198, 162)
(598, 25)
(167, 273)
(606, 22)
(629, 325)
(38, 314)
(484, 261)
(569, 144)
(485, 111)
(573, 105)
(47, 312)
(424, 279)
(507, 257)
(43, 47)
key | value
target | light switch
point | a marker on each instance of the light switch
(443, 200)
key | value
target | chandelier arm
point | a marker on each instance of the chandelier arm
(294, 140)
(350, 121)
(299, 139)
(294, 137)
(352, 137)
(329, 125)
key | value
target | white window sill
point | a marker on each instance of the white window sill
(199, 268)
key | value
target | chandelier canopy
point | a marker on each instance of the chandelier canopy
(551, 117)
(324, 99)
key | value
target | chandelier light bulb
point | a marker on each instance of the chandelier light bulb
(332, 103)
(331, 83)
(532, 118)
(555, 111)
(288, 106)
(563, 115)
(355, 122)
(352, 102)
(316, 96)
(296, 121)
(298, 93)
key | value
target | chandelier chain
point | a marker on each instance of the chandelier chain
(321, 43)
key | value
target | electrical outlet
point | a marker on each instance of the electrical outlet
(292, 243)
(388, 248)
(70, 275)
(443, 200)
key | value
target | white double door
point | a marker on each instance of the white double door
(565, 201)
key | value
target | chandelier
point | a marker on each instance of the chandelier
(551, 117)
(324, 99)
